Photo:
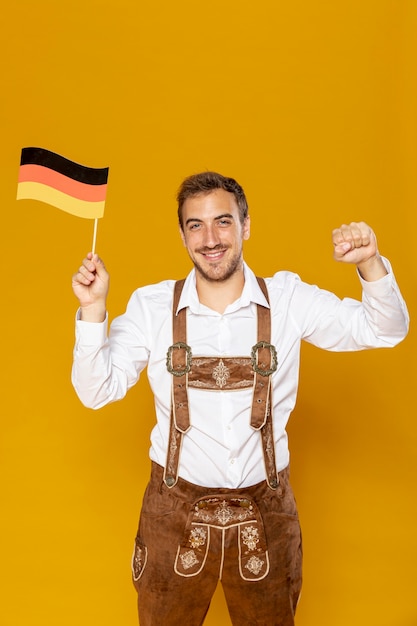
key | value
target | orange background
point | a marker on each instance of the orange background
(312, 107)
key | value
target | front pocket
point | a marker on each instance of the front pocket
(253, 553)
(139, 559)
(192, 553)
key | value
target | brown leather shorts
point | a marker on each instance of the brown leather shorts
(190, 537)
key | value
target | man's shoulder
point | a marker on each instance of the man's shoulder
(156, 291)
(281, 279)
(280, 286)
(278, 277)
(283, 287)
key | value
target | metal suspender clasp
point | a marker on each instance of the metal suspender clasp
(179, 369)
(259, 367)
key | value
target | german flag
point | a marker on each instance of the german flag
(66, 185)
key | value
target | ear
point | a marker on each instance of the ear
(246, 228)
(182, 235)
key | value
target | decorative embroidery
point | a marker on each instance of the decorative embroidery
(198, 537)
(250, 537)
(138, 561)
(220, 374)
(139, 558)
(173, 447)
(269, 443)
(212, 510)
(188, 559)
(217, 514)
(231, 386)
(223, 513)
(254, 565)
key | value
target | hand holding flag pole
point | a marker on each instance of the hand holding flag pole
(64, 184)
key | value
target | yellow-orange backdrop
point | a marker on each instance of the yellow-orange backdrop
(312, 107)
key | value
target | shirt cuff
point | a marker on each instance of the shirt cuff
(90, 333)
(383, 286)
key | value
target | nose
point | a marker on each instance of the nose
(211, 236)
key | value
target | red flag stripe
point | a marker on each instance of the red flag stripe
(69, 186)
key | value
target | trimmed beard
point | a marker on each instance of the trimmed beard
(231, 268)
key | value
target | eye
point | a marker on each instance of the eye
(194, 226)
(224, 222)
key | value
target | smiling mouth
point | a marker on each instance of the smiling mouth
(213, 255)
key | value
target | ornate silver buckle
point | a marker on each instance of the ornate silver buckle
(178, 346)
(274, 358)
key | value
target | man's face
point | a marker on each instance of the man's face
(213, 234)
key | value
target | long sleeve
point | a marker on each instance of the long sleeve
(379, 320)
(107, 364)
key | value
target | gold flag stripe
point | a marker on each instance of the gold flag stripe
(60, 200)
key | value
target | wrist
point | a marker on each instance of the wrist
(372, 269)
(93, 312)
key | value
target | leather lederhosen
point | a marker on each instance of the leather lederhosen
(191, 536)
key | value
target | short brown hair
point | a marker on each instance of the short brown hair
(204, 183)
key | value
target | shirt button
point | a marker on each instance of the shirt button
(232, 461)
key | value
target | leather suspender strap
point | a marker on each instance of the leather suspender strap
(179, 363)
(264, 363)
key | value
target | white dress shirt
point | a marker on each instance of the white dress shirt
(221, 449)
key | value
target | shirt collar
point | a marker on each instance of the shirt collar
(251, 293)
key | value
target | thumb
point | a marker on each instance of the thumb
(98, 262)
(341, 249)
(100, 268)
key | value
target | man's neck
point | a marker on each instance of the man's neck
(217, 295)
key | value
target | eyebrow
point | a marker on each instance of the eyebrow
(218, 217)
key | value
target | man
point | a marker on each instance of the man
(222, 352)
